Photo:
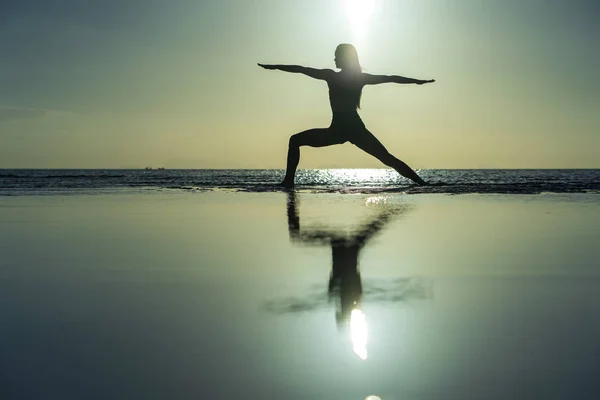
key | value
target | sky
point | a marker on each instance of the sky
(132, 83)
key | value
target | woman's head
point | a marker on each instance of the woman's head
(346, 58)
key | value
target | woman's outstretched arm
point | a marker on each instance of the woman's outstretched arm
(323, 74)
(377, 79)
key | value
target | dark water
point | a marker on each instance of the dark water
(299, 296)
(28, 182)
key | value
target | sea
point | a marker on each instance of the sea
(19, 182)
(357, 285)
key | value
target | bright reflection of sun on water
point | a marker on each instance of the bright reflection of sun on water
(358, 333)
(359, 13)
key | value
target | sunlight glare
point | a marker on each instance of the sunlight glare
(358, 332)
(359, 13)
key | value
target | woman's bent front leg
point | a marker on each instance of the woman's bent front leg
(318, 137)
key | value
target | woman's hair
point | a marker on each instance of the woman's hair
(348, 59)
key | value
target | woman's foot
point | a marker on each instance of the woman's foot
(418, 180)
(287, 184)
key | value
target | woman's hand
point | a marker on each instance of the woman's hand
(266, 66)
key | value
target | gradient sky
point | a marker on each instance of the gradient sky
(132, 83)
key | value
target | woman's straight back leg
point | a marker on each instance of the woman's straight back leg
(367, 142)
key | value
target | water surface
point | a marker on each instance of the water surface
(210, 295)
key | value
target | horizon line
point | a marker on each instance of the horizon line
(283, 169)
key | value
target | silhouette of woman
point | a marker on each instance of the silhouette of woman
(345, 89)
(345, 282)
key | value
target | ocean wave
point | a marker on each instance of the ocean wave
(24, 182)
(452, 189)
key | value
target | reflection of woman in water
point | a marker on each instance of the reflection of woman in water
(345, 284)
(345, 88)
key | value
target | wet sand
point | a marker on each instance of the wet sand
(225, 295)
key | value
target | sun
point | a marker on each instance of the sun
(359, 13)
(358, 333)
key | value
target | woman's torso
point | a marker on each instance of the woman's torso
(344, 97)
(344, 92)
